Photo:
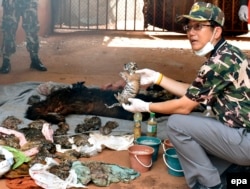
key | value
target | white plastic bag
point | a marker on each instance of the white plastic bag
(6, 164)
(47, 180)
(112, 142)
(98, 142)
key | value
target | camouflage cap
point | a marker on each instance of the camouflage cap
(202, 11)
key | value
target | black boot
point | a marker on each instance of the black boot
(6, 66)
(37, 64)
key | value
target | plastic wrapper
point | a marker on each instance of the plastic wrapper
(47, 180)
(6, 164)
(18, 155)
(98, 142)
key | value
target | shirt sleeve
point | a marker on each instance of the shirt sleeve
(243, 2)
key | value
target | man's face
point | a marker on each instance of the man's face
(199, 34)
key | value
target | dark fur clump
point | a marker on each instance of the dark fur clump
(80, 99)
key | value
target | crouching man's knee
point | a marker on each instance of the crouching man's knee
(172, 124)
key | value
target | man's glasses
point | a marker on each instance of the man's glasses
(196, 27)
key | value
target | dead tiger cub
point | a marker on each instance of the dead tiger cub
(132, 86)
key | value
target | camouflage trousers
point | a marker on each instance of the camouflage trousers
(13, 11)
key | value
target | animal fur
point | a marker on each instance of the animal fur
(130, 90)
(80, 99)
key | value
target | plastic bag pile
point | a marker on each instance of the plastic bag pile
(101, 174)
(80, 173)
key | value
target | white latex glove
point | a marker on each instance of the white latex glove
(243, 13)
(136, 105)
(148, 76)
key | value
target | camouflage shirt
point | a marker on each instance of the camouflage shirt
(223, 83)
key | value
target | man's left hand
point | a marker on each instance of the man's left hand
(136, 105)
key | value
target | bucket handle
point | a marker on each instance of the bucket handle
(169, 165)
(163, 146)
(143, 163)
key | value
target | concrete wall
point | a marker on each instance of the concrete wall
(44, 16)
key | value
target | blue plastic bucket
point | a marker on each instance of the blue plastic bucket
(153, 142)
(171, 160)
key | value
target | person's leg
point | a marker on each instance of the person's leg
(194, 137)
(9, 27)
(31, 28)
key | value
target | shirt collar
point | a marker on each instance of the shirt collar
(221, 42)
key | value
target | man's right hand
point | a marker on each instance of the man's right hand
(148, 76)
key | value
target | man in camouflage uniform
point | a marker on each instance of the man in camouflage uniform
(206, 146)
(13, 10)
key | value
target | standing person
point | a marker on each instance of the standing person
(222, 83)
(13, 10)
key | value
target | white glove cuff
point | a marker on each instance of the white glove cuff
(147, 106)
(157, 78)
(244, 7)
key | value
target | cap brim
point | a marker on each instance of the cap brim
(184, 18)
